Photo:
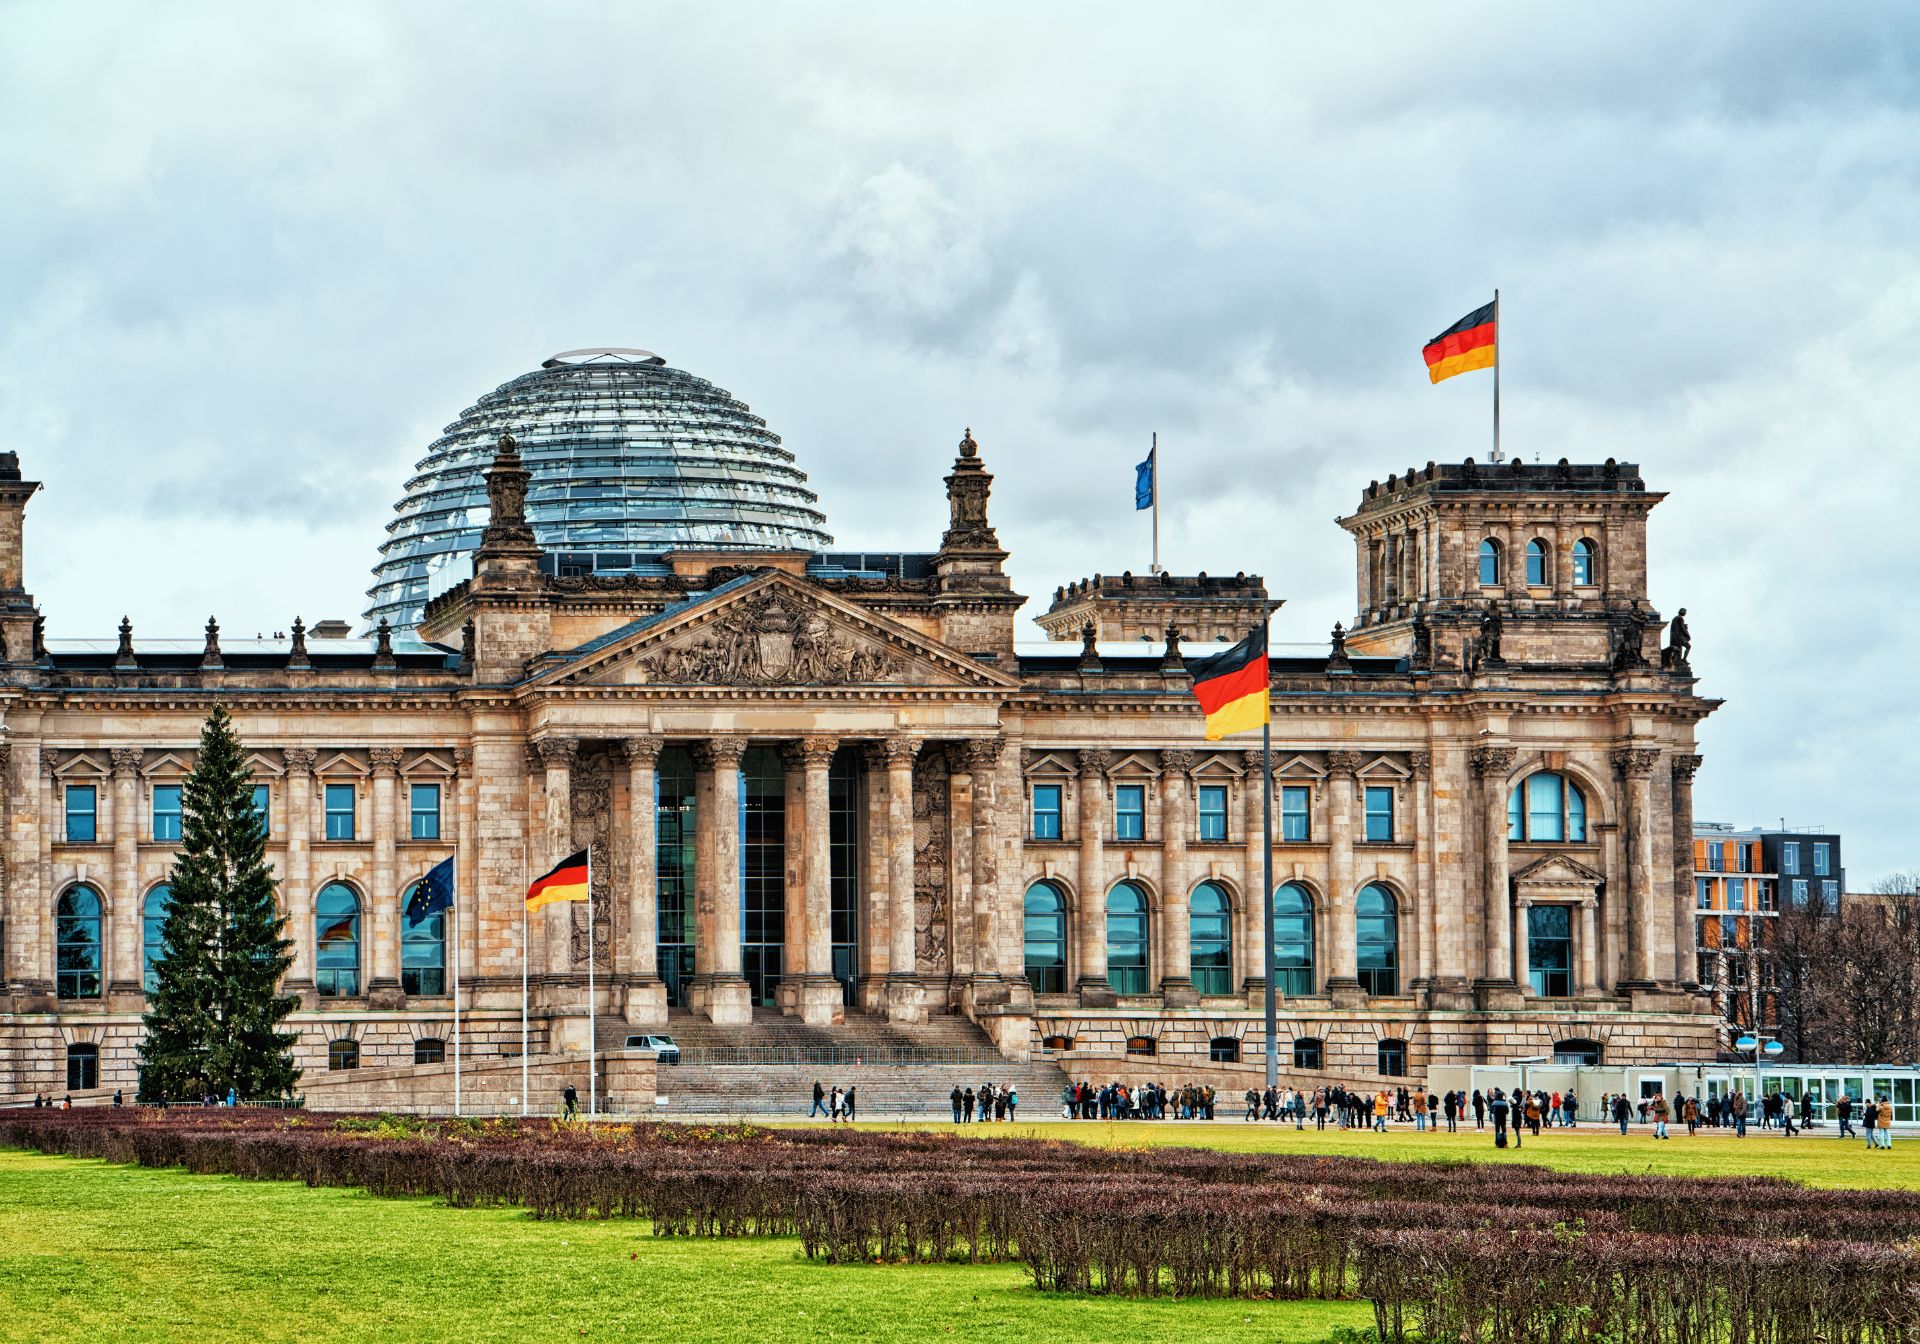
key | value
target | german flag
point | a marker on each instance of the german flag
(1232, 686)
(565, 881)
(1470, 343)
(339, 932)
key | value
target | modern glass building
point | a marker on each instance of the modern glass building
(630, 460)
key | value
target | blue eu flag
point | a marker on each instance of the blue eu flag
(432, 892)
(1143, 483)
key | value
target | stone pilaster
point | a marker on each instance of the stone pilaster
(1686, 969)
(1250, 936)
(1420, 763)
(1176, 929)
(1343, 986)
(296, 893)
(1634, 766)
(719, 989)
(124, 971)
(1496, 986)
(1095, 991)
(1589, 959)
(556, 757)
(466, 877)
(383, 990)
(640, 964)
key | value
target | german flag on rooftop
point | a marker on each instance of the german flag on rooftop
(1470, 343)
(1232, 686)
(565, 881)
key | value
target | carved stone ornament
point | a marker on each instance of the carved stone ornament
(210, 656)
(1095, 761)
(1343, 763)
(384, 760)
(123, 656)
(899, 750)
(643, 750)
(300, 760)
(1177, 762)
(1420, 763)
(1685, 766)
(557, 753)
(806, 753)
(719, 753)
(126, 761)
(462, 760)
(771, 640)
(976, 755)
(297, 659)
(383, 645)
(1491, 762)
(967, 491)
(1635, 762)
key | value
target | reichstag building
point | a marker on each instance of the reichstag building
(830, 787)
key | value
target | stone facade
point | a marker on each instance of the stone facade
(819, 793)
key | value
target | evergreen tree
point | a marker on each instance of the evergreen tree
(215, 1015)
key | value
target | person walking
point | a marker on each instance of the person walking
(966, 1107)
(955, 1098)
(1381, 1105)
(847, 1103)
(1013, 1103)
(1420, 1111)
(1660, 1113)
(1690, 1110)
(1570, 1107)
(819, 1101)
(1622, 1112)
(1479, 1110)
(1843, 1109)
(1883, 1127)
(1498, 1105)
(569, 1103)
(1737, 1106)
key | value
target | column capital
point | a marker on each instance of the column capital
(1492, 762)
(898, 749)
(462, 760)
(300, 760)
(1420, 763)
(1685, 766)
(977, 755)
(808, 753)
(642, 751)
(1343, 764)
(719, 753)
(126, 761)
(384, 760)
(1095, 760)
(1178, 762)
(557, 753)
(1635, 762)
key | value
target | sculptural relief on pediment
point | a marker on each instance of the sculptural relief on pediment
(772, 640)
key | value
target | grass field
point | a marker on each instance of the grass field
(90, 1251)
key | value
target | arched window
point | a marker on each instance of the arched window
(1212, 939)
(1127, 939)
(343, 1055)
(83, 1066)
(1546, 807)
(429, 1050)
(1578, 1051)
(423, 951)
(1536, 563)
(1293, 940)
(1308, 1053)
(1046, 921)
(1224, 1050)
(76, 944)
(1376, 924)
(1489, 563)
(336, 931)
(1142, 1045)
(1391, 1057)
(1583, 557)
(153, 929)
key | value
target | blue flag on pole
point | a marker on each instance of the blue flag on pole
(1143, 484)
(432, 892)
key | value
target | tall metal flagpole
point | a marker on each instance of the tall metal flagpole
(593, 1072)
(1266, 868)
(525, 880)
(1497, 334)
(1154, 458)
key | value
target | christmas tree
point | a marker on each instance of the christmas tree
(215, 1013)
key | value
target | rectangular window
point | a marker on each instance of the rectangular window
(1790, 858)
(166, 812)
(1703, 892)
(1550, 950)
(1822, 859)
(1743, 857)
(1765, 895)
(82, 814)
(1799, 893)
(1213, 812)
(1736, 893)
(1706, 962)
(1379, 813)
(1130, 812)
(260, 800)
(1716, 860)
(1046, 811)
(1296, 812)
(424, 807)
(339, 811)
(1829, 896)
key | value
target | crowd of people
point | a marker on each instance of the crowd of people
(836, 1102)
(1140, 1101)
(990, 1102)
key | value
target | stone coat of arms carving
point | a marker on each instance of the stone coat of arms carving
(772, 640)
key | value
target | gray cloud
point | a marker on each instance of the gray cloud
(252, 261)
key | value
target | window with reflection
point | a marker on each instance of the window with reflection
(1046, 811)
(1212, 805)
(167, 812)
(1547, 807)
(423, 950)
(1583, 557)
(1127, 939)
(153, 934)
(1391, 1057)
(343, 1055)
(83, 1066)
(82, 814)
(1046, 938)
(1211, 939)
(336, 925)
(1536, 563)
(1376, 924)
(1293, 940)
(1296, 813)
(1130, 812)
(1489, 563)
(1550, 950)
(1224, 1050)
(76, 944)
(1308, 1053)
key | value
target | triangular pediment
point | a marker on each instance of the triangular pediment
(771, 631)
(1558, 871)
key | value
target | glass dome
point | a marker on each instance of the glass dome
(630, 460)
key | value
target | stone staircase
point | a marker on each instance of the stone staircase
(767, 1068)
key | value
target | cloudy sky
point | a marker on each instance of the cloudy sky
(253, 258)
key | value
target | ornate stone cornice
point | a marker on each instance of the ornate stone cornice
(643, 751)
(1343, 764)
(719, 753)
(1685, 766)
(557, 753)
(1635, 762)
(126, 761)
(1420, 763)
(1491, 762)
(1095, 760)
(384, 760)
(300, 760)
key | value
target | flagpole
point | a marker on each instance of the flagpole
(593, 1073)
(525, 880)
(1496, 375)
(1266, 862)
(1154, 457)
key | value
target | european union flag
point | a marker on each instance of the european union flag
(432, 892)
(1143, 483)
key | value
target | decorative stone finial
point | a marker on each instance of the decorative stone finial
(1173, 662)
(968, 448)
(383, 659)
(210, 656)
(1337, 659)
(123, 658)
(1089, 652)
(507, 532)
(297, 660)
(967, 489)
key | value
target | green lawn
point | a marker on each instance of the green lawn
(93, 1252)
(1814, 1159)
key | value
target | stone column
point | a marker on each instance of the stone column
(1562, 575)
(383, 990)
(1685, 967)
(124, 969)
(793, 862)
(556, 921)
(982, 756)
(718, 990)
(1092, 819)
(1589, 986)
(1344, 984)
(1634, 765)
(1176, 929)
(821, 1002)
(1426, 914)
(534, 846)
(904, 999)
(960, 819)
(876, 923)
(1496, 986)
(1522, 950)
(1251, 937)
(296, 893)
(646, 992)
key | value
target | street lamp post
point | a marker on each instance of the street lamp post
(1758, 1046)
